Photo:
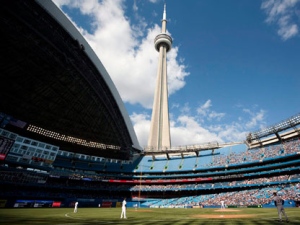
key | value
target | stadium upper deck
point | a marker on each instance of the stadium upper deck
(279, 132)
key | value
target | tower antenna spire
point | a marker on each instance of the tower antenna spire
(165, 12)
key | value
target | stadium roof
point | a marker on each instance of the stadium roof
(54, 86)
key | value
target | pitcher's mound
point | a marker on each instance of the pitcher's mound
(211, 216)
(227, 210)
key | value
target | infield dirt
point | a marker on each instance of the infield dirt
(224, 216)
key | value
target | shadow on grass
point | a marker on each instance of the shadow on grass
(133, 221)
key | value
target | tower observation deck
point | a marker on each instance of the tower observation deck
(159, 137)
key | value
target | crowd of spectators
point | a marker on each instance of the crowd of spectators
(257, 154)
(253, 197)
(79, 182)
(246, 182)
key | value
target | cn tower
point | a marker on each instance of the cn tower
(159, 138)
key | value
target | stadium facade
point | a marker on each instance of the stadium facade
(65, 135)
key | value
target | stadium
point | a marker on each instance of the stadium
(66, 137)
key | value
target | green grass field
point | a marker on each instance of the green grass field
(101, 216)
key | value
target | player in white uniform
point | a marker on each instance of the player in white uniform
(75, 207)
(279, 202)
(222, 204)
(123, 213)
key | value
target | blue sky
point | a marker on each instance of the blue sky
(233, 69)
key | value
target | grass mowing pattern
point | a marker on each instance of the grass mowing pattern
(143, 216)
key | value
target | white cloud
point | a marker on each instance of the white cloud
(216, 116)
(230, 132)
(203, 109)
(176, 71)
(127, 50)
(286, 29)
(188, 131)
(283, 12)
(256, 118)
(205, 112)
(141, 124)
(185, 109)
(135, 7)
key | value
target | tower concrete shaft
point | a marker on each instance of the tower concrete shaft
(159, 138)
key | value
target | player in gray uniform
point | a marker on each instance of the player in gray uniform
(279, 202)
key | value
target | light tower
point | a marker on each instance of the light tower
(159, 138)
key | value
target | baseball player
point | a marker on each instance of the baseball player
(279, 202)
(222, 204)
(123, 213)
(75, 208)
